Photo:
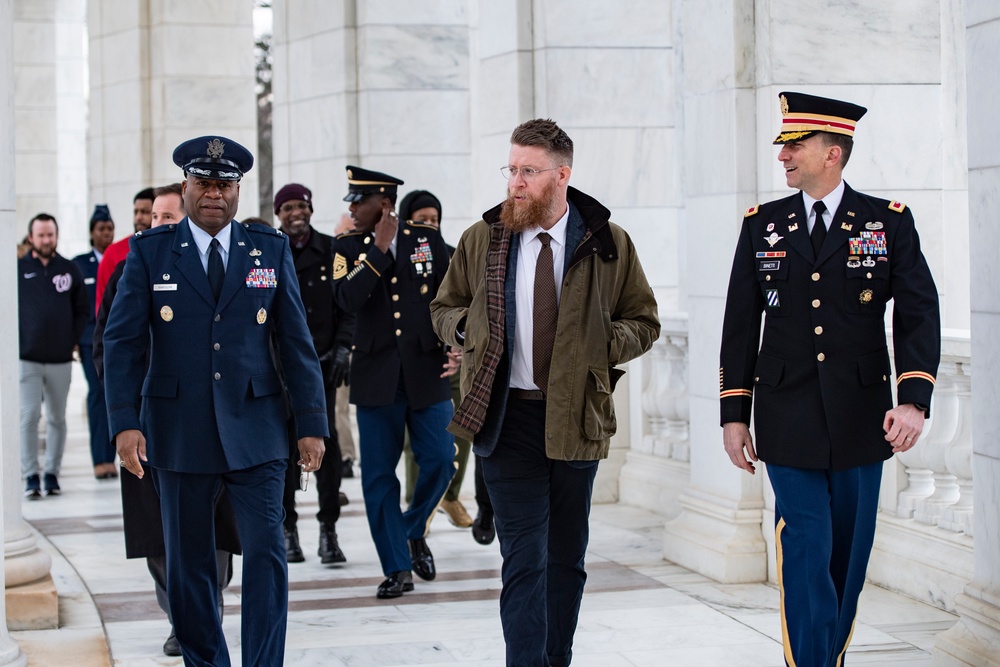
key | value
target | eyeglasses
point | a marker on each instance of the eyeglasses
(526, 172)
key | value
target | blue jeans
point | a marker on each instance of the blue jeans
(542, 513)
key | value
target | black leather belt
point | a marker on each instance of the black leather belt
(528, 394)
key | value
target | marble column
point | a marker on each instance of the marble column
(975, 639)
(718, 531)
(161, 72)
(14, 529)
(381, 84)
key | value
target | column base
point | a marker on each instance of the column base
(33, 606)
(975, 639)
(716, 539)
(653, 483)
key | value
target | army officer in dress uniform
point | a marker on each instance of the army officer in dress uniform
(387, 273)
(822, 264)
(208, 296)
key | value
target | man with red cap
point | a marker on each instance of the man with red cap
(822, 264)
(332, 330)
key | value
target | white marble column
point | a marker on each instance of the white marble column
(10, 482)
(382, 84)
(718, 531)
(161, 72)
(975, 639)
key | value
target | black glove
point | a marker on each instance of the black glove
(338, 371)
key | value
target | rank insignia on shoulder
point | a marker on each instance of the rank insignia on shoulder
(339, 266)
(896, 206)
(753, 210)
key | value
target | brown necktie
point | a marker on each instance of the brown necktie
(546, 311)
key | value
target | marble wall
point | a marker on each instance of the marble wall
(384, 85)
(157, 78)
(975, 640)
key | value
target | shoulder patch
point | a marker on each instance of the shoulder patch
(339, 266)
(896, 206)
(753, 210)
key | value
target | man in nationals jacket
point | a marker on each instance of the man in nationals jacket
(822, 265)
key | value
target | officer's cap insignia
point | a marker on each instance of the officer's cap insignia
(216, 148)
(261, 316)
(784, 105)
(873, 225)
(896, 206)
(339, 266)
(753, 210)
(350, 174)
(846, 226)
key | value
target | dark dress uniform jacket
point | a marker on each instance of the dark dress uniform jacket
(211, 399)
(330, 326)
(87, 263)
(820, 376)
(393, 336)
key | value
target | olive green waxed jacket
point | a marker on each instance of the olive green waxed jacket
(607, 316)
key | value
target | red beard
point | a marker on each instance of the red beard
(533, 212)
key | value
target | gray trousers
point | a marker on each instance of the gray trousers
(51, 382)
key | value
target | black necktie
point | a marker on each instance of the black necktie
(216, 271)
(545, 313)
(818, 234)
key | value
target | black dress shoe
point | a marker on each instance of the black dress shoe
(172, 646)
(395, 585)
(422, 559)
(329, 550)
(483, 530)
(293, 552)
(347, 468)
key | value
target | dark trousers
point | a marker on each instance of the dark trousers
(327, 478)
(102, 446)
(381, 432)
(188, 511)
(824, 530)
(542, 511)
(482, 493)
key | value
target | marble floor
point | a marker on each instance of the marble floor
(638, 610)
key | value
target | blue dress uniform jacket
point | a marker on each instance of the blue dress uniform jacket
(820, 375)
(393, 331)
(87, 263)
(211, 399)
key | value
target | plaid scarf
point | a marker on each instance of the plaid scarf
(472, 412)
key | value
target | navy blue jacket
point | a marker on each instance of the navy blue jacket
(87, 263)
(52, 309)
(211, 399)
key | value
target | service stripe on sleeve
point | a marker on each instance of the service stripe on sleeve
(915, 375)
(736, 393)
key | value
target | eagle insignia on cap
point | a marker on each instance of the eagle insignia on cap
(216, 148)
(350, 174)
(784, 105)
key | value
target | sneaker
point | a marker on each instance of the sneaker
(32, 488)
(51, 485)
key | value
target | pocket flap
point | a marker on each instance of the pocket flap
(267, 384)
(599, 377)
(768, 370)
(873, 368)
(160, 386)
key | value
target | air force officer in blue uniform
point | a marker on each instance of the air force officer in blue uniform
(213, 300)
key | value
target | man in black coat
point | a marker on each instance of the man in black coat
(822, 264)
(331, 330)
(387, 272)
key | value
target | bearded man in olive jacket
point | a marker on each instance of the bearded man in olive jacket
(545, 268)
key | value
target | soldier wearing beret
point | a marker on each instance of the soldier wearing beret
(387, 272)
(821, 265)
(213, 301)
(331, 330)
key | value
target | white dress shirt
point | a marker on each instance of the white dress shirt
(522, 361)
(202, 239)
(831, 201)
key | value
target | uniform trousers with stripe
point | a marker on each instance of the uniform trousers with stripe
(381, 434)
(824, 530)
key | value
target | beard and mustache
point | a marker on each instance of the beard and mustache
(532, 212)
